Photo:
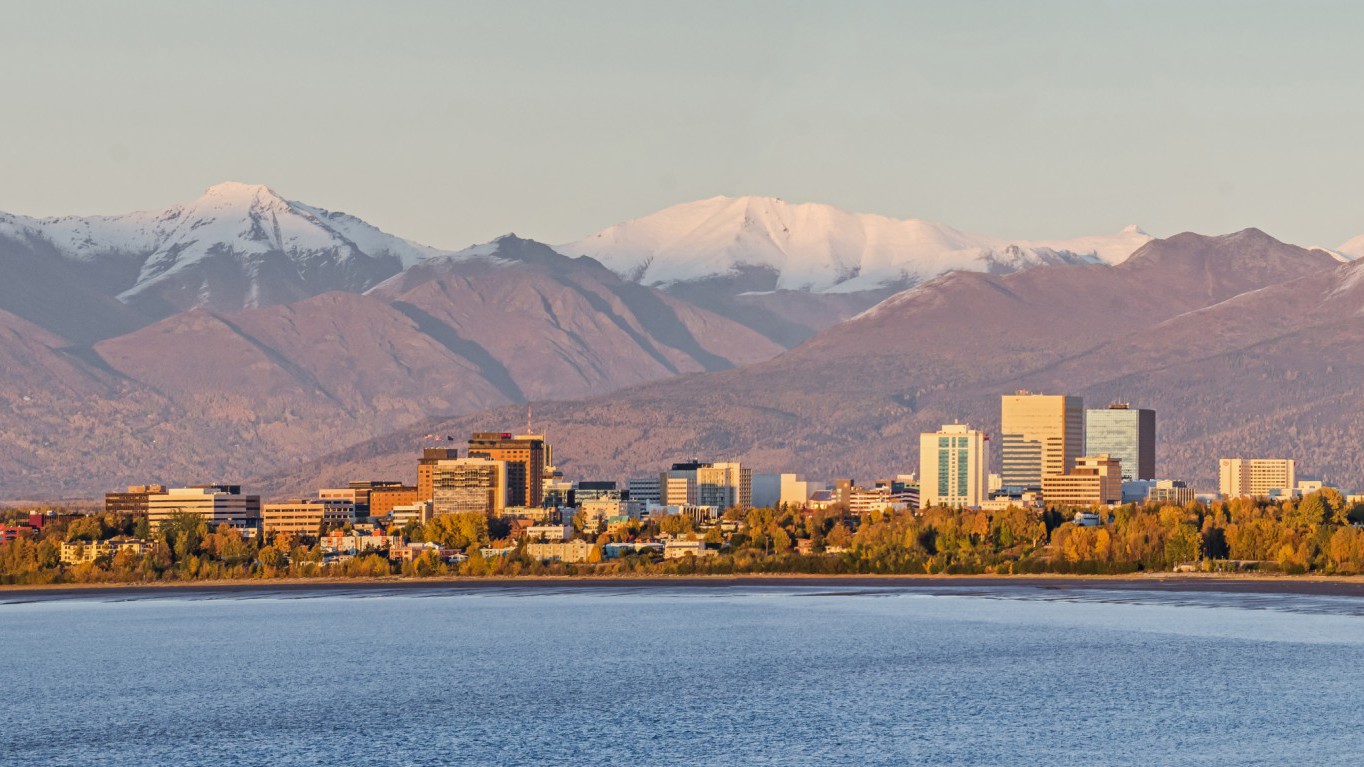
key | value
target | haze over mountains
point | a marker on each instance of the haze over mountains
(243, 334)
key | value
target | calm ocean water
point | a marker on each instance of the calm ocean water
(683, 676)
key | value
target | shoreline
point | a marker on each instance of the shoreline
(1341, 586)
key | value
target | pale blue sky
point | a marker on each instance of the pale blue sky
(452, 123)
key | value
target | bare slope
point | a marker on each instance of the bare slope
(852, 400)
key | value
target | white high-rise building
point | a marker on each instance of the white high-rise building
(953, 467)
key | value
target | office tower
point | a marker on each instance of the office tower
(591, 490)
(526, 457)
(646, 490)
(469, 484)
(1125, 433)
(427, 464)
(1259, 477)
(724, 485)
(953, 467)
(217, 504)
(1041, 436)
(1096, 480)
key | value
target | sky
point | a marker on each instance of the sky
(451, 123)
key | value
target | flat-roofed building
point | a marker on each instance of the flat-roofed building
(725, 485)
(216, 504)
(576, 550)
(306, 516)
(954, 466)
(419, 512)
(1257, 477)
(133, 502)
(1170, 491)
(1126, 433)
(426, 466)
(1042, 435)
(80, 552)
(525, 458)
(771, 491)
(1095, 481)
(383, 498)
(469, 484)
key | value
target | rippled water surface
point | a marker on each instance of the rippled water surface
(664, 676)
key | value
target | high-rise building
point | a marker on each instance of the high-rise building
(217, 504)
(469, 484)
(1125, 433)
(1259, 477)
(526, 457)
(1095, 480)
(953, 467)
(426, 465)
(724, 485)
(133, 502)
(1041, 436)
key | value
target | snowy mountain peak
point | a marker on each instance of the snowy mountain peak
(237, 245)
(818, 248)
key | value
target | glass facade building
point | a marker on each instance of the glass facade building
(1125, 433)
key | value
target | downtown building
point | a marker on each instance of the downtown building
(1095, 480)
(1126, 434)
(469, 484)
(954, 466)
(216, 504)
(1041, 436)
(1256, 477)
(526, 458)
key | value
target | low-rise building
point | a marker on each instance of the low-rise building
(14, 532)
(306, 516)
(80, 552)
(1095, 481)
(681, 547)
(560, 551)
(403, 515)
(340, 543)
(406, 552)
(550, 532)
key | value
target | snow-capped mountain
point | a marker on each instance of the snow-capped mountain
(818, 248)
(237, 246)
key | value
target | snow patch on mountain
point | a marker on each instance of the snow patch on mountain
(819, 248)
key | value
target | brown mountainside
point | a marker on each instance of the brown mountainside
(852, 400)
(205, 395)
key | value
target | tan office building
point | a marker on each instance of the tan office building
(1041, 435)
(1095, 481)
(954, 465)
(307, 516)
(469, 484)
(217, 504)
(1258, 477)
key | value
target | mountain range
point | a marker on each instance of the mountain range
(245, 335)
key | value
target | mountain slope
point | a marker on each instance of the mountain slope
(852, 400)
(203, 394)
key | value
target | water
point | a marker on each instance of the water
(685, 676)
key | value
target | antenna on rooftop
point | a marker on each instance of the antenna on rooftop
(528, 430)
